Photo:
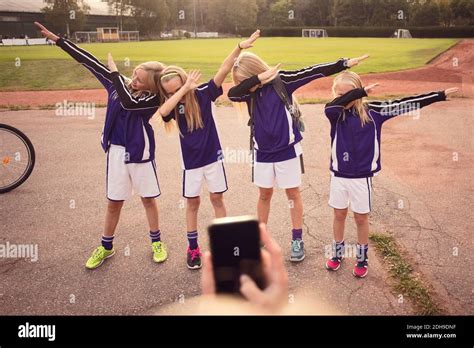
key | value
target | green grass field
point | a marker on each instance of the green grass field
(48, 67)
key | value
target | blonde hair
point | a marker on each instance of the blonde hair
(192, 109)
(154, 70)
(247, 65)
(352, 79)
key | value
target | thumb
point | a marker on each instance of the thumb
(249, 289)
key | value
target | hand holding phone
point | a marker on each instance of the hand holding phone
(235, 250)
(271, 290)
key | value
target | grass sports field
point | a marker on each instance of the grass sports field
(49, 68)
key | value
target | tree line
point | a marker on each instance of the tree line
(230, 16)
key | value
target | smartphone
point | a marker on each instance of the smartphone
(235, 250)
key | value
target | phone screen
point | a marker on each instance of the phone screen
(235, 250)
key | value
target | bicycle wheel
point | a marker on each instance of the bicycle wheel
(17, 158)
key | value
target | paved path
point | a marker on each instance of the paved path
(61, 208)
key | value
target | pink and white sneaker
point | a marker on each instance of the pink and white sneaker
(333, 264)
(361, 269)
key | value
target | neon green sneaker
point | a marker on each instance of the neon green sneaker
(159, 251)
(98, 257)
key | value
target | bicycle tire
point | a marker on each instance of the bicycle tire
(31, 162)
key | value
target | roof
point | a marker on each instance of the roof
(97, 7)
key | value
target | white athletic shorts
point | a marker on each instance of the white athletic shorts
(286, 174)
(213, 174)
(125, 178)
(356, 192)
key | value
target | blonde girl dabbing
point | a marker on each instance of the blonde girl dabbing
(276, 134)
(356, 127)
(128, 139)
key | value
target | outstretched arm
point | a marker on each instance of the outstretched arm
(228, 63)
(100, 71)
(389, 109)
(298, 78)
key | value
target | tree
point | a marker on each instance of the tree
(425, 12)
(386, 12)
(463, 11)
(216, 18)
(181, 14)
(263, 12)
(348, 13)
(319, 13)
(446, 13)
(65, 16)
(122, 9)
(150, 16)
(240, 14)
(282, 13)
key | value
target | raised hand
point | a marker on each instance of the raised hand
(269, 75)
(192, 82)
(249, 42)
(451, 91)
(355, 61)
(369, 88)
(111, 63)
(46, 33)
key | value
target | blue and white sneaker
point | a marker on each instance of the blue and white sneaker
(297, 250)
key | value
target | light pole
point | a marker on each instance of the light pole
(194, 18)
(121, 15)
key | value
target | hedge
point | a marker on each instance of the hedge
(416, 32)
